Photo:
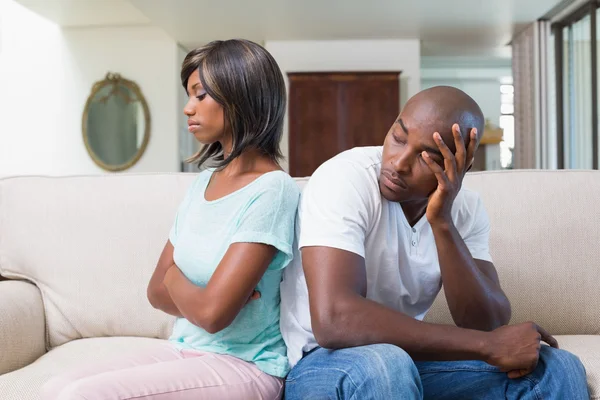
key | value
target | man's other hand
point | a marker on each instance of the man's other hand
(515, 349)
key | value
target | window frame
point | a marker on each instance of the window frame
(587, 9)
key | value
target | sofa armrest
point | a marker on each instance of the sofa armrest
(22, 325)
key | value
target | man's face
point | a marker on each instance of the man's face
(405, 175)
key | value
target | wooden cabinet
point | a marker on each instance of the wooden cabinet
(333, 112)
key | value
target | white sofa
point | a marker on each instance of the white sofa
(78, 253)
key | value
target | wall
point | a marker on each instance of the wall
(481, 84)
(188, 145)
(46, 75)
(31, 51)
(145, 55)
(349, 55)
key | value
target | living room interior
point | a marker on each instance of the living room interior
(74, 188)
(78, 43)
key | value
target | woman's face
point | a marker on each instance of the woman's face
(205, 116)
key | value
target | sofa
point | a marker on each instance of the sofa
(76, 254)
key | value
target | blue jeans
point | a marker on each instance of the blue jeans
(384, 371)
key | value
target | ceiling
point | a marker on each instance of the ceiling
(71, 13)
(467, 28)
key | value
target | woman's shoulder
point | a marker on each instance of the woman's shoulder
(202, 176)
(200, 179)
(278, 183)
(278, 178)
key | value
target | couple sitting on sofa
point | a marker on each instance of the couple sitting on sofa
(378, 231)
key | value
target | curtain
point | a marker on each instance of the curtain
(532, 67)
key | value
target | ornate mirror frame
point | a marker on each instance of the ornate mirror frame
(115, 80)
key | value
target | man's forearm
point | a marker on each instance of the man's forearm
(475, 300)
(358, 321)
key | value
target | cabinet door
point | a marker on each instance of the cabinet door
(333, 112)
(370, 107)
(313, 124)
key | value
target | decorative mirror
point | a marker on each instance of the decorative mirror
(116, 123)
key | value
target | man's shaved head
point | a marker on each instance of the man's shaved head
(439, 107)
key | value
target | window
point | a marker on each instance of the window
(576, 55)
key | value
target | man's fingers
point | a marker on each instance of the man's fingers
(449, 159)
(472, 148)
(437, 170)
(461, 158)
(518, 373)
(546, 337)
(521, 372)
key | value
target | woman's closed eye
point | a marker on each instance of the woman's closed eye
(201, 96)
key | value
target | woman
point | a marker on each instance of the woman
(220, 270)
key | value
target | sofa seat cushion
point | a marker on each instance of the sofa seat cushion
(25, 383)
(587, 348)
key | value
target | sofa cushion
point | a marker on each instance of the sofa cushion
(22, 325)
(587, 348)
(25, 383)
(90, 244)
(545, 244)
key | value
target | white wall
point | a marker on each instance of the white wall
(145, 55)
(483, 85)
(31, 71)
(46, 75)
(349, 55)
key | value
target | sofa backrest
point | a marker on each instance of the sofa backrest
(91, 243)
(545, 242)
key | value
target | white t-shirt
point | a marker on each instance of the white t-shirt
(341, 207)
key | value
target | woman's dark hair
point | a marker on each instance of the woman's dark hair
(246, 81)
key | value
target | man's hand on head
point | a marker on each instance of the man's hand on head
(451, 176)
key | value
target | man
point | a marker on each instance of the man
(380, 231)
